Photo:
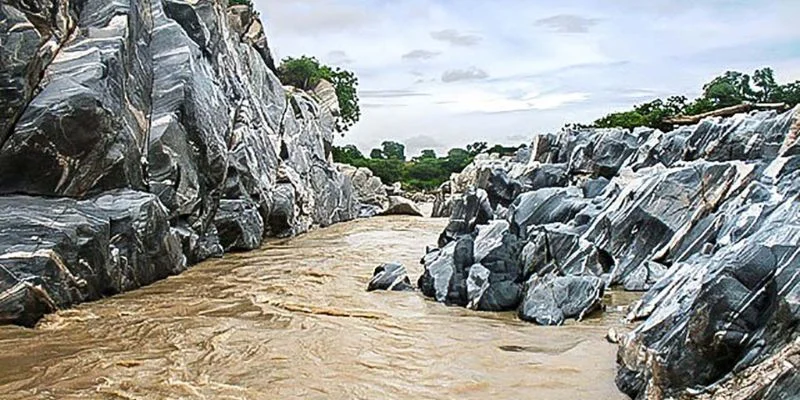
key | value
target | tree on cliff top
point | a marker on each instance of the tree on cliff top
(729, 89)
(240, 3)
(306, 72)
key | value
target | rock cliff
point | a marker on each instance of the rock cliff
(705, 219)
(140, 136)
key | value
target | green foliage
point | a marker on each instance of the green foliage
(425, 155)
(240, 3)
(306, 73)
(729, 89)
(393, 151)
(425, 172)
(476, 148)
(347, 154)
(504, 151)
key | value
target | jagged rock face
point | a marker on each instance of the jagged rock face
(85, 130)
(369, 190)
(705, 218)
(469, 210)
(325, 93)
(239, 225)
(170, 97)
(727, 308)
(57, 252)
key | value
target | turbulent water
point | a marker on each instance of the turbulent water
(293, 320)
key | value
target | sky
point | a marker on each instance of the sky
(436, 74)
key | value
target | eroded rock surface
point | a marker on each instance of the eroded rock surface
(704, 218)
(160, 131)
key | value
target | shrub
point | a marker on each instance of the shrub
(306, 72)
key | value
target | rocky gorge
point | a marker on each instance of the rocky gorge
(140, 137)
(703, 219)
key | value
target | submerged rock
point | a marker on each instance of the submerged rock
(390, 276)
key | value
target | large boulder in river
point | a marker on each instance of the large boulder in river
(390, 276)
(402, 206)
(551, 299)
(446, 271)
(480, 272)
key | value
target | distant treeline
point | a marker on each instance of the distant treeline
(729, 89)
(425, 172)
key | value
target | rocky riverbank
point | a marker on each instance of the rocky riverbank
(137, 138)
(705, 218)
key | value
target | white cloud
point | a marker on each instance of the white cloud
(421, 55)
(566, 23)
(456, 38)
(534, 65)
(468, 74)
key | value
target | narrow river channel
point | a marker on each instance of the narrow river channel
(293, 320)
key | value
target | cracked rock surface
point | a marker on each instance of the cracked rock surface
(705, 219)
(159, 132)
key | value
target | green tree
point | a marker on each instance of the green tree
(476, 148)
(376, 154)
(393, 150)
(789, 94)
(728, 89)
(764, 80)
(390, 171)
(346, 83)
(348, 154)
(240, 3)
(424, 155)
(626, 119)
(457, 159)
(306, 72)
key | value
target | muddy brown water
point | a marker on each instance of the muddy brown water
(293, 320)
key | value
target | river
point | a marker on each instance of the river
(293, 320)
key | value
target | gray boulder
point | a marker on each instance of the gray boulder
(402, 206)
(468, 211)
(551, 299)
(239, 225)
(390, 276)
(544, 206)
(369, 190)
